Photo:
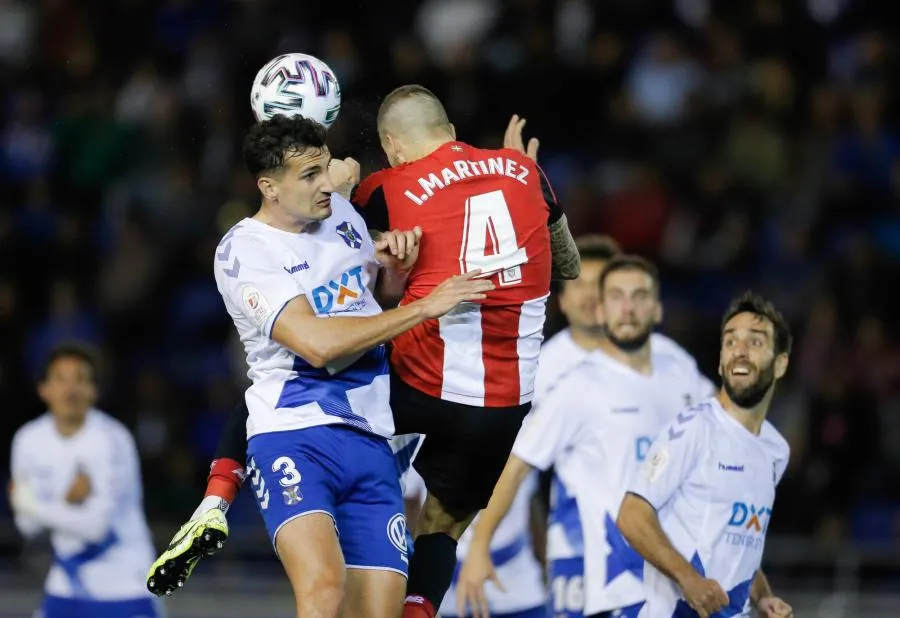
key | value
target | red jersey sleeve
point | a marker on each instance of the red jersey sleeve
(368, 199)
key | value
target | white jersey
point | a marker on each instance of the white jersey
(594, 424)
(259, 269)
(101, 547)
(512, 553)
(712, 483)
(560, 354)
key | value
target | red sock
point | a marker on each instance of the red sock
(418, 607)
(225, 479)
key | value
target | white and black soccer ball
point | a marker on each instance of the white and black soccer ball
(296, 84)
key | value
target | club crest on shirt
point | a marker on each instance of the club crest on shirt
(657, 465)
(349, 234)
(292, 495)
(256, 305)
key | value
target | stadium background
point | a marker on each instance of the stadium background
(743, 143)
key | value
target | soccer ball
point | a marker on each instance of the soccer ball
(296, 84)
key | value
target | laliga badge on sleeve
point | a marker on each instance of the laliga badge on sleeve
(657, 465)
(255, 303)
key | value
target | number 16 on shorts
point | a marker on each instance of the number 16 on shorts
(567, 587)
(289, 482)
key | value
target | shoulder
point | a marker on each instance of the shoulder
(557, 345)
(342, 210)
(665, 346)
(774, 442)
(33, 430)
(246, 244)
(370, 186)
(696, 422)
(246, 237)
(110, 429)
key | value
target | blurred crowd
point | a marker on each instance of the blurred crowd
(739, 143)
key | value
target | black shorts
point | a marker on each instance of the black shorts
(465, 449)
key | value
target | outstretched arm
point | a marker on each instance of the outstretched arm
(566, 259)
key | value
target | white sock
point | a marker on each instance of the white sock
(209, 503)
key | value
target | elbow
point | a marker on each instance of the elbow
(626, 518)
(318, 358)
(566, 273)
(572, 271)
(320, 354)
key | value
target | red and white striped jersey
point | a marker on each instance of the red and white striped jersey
(478, 209)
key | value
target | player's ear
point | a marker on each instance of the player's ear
(42, 390)
(391, 149)
(658, 318)
(267, 187)
(781, 365)
(453, 131)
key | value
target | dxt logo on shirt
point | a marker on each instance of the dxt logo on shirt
(752, 521)
(340, 294)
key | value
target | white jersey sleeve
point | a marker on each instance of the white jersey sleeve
(254, 282)
(548, 431)
(27, 525)
(672, 457)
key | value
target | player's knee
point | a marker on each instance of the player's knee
(435, 517)
(319, 597)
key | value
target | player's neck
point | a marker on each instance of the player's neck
(424, 148)
(69, 427)
(274, 217)
(638, 360)
(751, 418)
(586, 338)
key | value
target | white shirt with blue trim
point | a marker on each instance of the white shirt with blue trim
(594, 421)
(258, 270)
(102, 547)
(712, 483)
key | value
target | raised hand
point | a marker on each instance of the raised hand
(344, 175)
(513, 138)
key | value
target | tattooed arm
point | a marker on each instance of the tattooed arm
(566, 260)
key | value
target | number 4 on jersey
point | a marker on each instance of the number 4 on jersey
(489, 239)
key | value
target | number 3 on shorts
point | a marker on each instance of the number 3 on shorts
(288, 469)
(487, 217)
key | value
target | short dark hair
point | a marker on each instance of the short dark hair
(79, 350)
(750, 302)
(268, 144)
(438, 117)
(627, 261)
(597, 247)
